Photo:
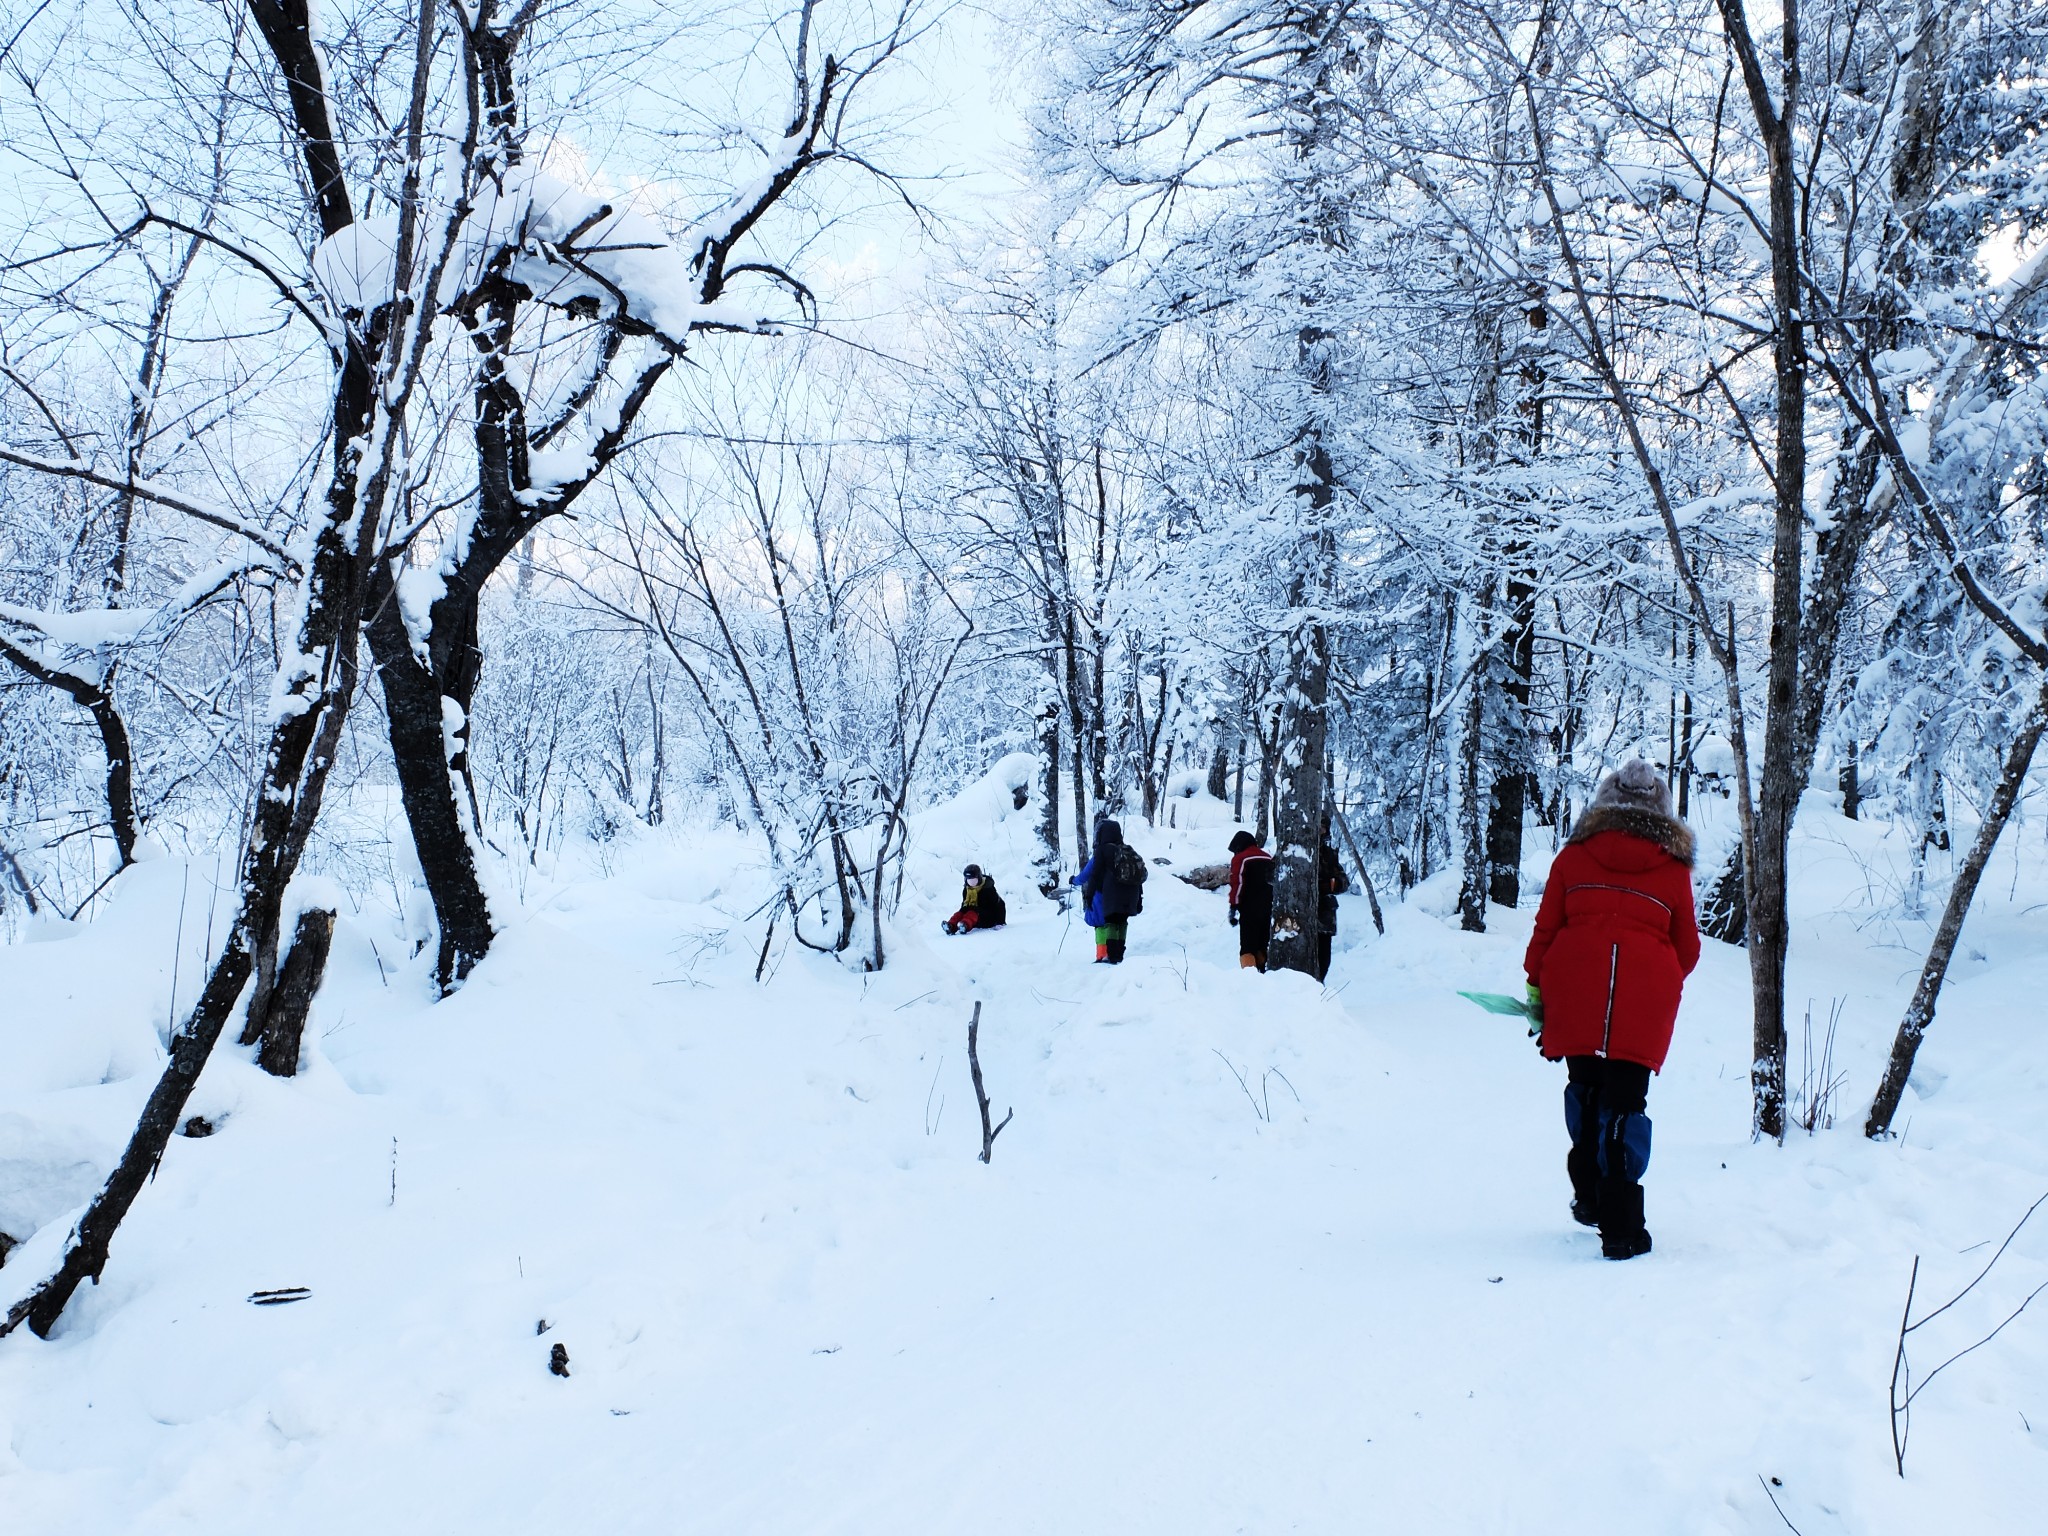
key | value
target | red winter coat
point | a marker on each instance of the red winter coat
(1615, 937)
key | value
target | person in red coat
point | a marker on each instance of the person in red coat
(1615, 939)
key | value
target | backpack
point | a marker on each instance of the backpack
(1128, 869)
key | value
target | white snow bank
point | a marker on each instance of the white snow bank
(1252, 1255)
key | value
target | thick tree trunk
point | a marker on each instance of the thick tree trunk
(1779, 783)
(417, 720)
(278, 1030)
(318, 680)
(300, 756)
(1218, 783)
(1507, 806)
(1724, 910)
(1920, 1011)
(1298, 814)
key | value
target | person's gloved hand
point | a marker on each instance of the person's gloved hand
(1073, 879)
(1233, 917)
(1535, 996)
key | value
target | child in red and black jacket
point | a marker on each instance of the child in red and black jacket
(1251, 899)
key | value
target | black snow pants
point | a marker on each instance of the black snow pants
(1255, 923)
(1604, 1102)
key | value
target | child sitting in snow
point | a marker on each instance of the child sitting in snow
(980, 904)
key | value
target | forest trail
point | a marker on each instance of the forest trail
(1322, 1298)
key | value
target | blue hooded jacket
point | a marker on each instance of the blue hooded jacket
(1107, 897)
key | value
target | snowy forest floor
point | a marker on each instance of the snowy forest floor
(1341, 1295)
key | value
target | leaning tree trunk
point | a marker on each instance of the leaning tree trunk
(276, 1024)
(300, 756)
(1920, 1012)
(417, 720)
(98, 700)
(317, 680)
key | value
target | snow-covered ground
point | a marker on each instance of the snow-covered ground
(1253, 1256)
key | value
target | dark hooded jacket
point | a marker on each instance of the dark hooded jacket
(1331, 882)
(986, 902)
(1615, 937)
(1107, 895)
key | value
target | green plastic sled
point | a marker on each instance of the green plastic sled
(1499, 1002)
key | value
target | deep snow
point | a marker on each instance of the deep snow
(1341, 1296)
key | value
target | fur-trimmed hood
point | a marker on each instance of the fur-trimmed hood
(1665, 832)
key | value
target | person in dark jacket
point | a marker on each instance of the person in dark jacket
(1615, 939)
(1331, 882)
(1113, 891)
(981, 906)
(1251, 899)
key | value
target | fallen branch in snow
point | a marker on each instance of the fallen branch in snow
(988, 1135)
(1903, 1391)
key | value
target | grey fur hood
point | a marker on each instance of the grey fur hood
(1666, 832)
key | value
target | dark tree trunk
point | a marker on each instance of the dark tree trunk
(1471, 818)
(1298, 822)
(296, 764)
(1372, 895)
(98, 700)
(1219, 767)
(1779, 783)
(1506, 809)
(1049, 819)
(657, 771)
(1508, 806)
(413, 712)
(1920, 1011)
(85, 1255)
(1077, 730)
(313, 699)
(1269, 757)
(1724, 910)
(278, 1029)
